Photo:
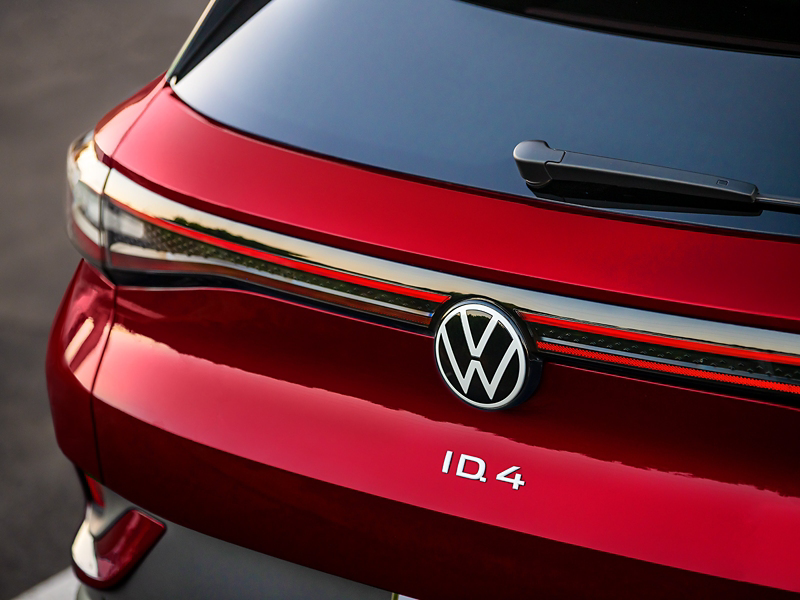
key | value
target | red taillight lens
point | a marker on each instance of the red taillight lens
(95, 492)
(104, 560)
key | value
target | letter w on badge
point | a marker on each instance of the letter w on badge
(476, 352)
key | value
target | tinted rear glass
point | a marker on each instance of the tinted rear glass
(766, 25)
(445, 89)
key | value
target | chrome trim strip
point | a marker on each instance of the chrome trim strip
(167, 236)
(183, 258)
(128, 193)
(665, 361)
(83, 554)
(182, 51)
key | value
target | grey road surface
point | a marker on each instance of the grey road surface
(62, 66)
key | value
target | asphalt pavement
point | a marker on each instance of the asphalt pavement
(62, 66)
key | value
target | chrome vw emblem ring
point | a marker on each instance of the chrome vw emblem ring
(483, 355)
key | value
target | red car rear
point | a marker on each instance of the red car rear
(327, 341)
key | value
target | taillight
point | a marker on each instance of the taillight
(86, 177)
(95, 492)
(113, 539)
(123, 227)
(103, 559)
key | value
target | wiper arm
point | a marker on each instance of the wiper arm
(540, 166)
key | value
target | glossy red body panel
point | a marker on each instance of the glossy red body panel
(76, 344)
(319, 438)
(666, 267)
(363, 537)
(108, 133)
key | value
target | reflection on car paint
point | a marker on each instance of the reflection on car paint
(282, 419)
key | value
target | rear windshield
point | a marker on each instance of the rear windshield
(766, 25)
(445, 90)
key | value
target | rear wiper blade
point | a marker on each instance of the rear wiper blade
(542, 166)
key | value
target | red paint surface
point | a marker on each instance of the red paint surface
(76, 344)
(422, 553)
(664, 267)
(216, 407)
(319, 438)
(112, 128)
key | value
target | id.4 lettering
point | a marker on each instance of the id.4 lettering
(472, 467)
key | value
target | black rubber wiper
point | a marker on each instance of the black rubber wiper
(540, 166)
(544, 168)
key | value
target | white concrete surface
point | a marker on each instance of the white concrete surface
(61, 586)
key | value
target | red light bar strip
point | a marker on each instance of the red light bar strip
(315, 294)
(641, 339)
(288, 262)
(667, 368)
(661, 340)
